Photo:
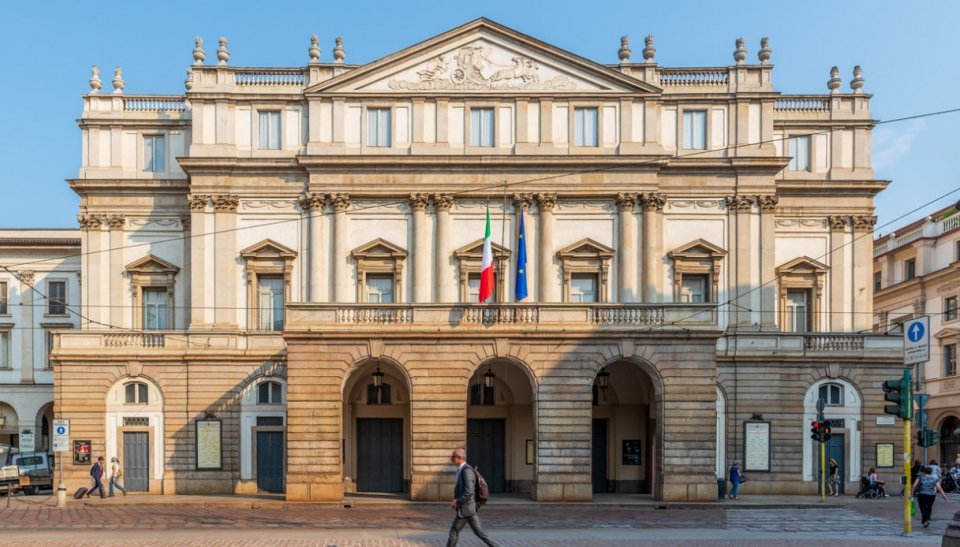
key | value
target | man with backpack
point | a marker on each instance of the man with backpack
(466, 499)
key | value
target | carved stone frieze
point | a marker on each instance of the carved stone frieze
(91, 222)
(546, 201)
(312, 202)
(443, 202)
(694, 203)
(864, 223)
(626, 201)
(226, 203)
(524, 201)
(340, 202)
(198, 202)
(768, 202)
(268, 204)
(740, 203)
(810, 223)
(117, 222)
(26, 277)
(837, 222)
(419, 201)
(654, 201)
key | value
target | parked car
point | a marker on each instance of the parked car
(27, 471)
(9, 473)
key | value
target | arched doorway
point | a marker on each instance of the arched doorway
(842, 409)
(134, 432)
(44, 424)
(501, 437)
(9, 426)
(263, 420)
(376, 426)
(625, 430)
(949, 440)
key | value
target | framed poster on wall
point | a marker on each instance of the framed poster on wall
(631, 452)
(884, 454)
(209, 445)
(756, 445)
(81, 452)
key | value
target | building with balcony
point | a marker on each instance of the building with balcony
(292, 260)
(916, 272)
(39, 295)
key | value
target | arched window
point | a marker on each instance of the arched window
(270, 393)
(832, 394)
(378, 395)
(136, 393)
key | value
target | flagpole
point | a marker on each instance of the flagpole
(503, 234)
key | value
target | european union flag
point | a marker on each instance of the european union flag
(520, 289)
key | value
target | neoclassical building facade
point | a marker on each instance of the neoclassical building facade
(292, 260)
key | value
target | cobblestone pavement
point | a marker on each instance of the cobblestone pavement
(874, 522)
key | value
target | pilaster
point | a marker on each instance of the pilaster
(198, 260)
(863, 271)
(444, 275)
(766, 241)
(226, 273)
(118, 319)
(341, 276)
(29, 299)
(547, 271)
(421, 256)
(627, 248)
(312, 206)
(740, 210)
(653, 204)
(91, 227)
(839, 320)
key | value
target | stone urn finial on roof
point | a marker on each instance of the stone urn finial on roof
(624, 52)
(314, 50)
(188, 83)
(95, 83)
(833, 84)
(199, 56)
(856, 84)
(223, 54)
(118, 83)
(765, 52)
(648, 50)
(740, 55)
(339, 54)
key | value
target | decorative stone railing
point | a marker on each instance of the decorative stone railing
(952, 222)
(641, 316)
(134, 340)
(693, 77)
(802, 103)
(851, 346)
(833, 342)
(931, 228)
(147, 103)
(377, 315)
(95, 343)
(269, 77)
(520, 314)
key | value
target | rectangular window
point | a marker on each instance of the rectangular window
(155, 309)
(799, 154)
(695, 130)
(481, 127)
(693, 288)
(56, 298)
(379, 120)
(3, 298)
(270, 130)
(950, 308)
(270, 302)
(4, 349)
(798, 310)
(877, 281)
(950, 360)
(910, 269)
(585, 126)
(473, 288)
(153, 153)
(583, 288)
(380, 289)
(48, 348)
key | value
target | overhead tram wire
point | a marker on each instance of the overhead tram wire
(480, 189)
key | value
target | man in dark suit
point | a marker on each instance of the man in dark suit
(97, 473)
(464, 501)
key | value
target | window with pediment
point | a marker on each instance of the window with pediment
(269, 267)
(153, 280)
(801, 284)
(586, 271)
(696, 271)
(379, 271)
(469, 259)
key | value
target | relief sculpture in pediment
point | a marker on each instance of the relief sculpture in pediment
(474, 67)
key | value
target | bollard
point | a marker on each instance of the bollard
(61, 496)
(951, 537)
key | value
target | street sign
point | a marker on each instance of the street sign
(916, 340)
(61, 435)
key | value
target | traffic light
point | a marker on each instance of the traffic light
(927, 437)
(815, 430)
(898, 391)
(824, 432)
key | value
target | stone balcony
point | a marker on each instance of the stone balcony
(833, 346)
(80, 344)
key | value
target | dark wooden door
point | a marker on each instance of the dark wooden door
(380, 454)
(835, 450)
(270, 461)
(486, 451)
(600, 483)
(136, 465)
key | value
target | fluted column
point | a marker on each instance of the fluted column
(863, 271)
(446, 290)
(29, 298)
(839, 319)
(421, 256)
(341, 276)
(547, 272)
(653, 246)
(627, 251)
(312, 206)
(118, 318)
(225, 272)
(767, 257)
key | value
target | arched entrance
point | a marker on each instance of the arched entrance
(501, 437)
(842, 408)
(626, 430)
(263, 420)
(44, 424)
(134, 432)
(9, 426)
(376, 426)
(949, 440)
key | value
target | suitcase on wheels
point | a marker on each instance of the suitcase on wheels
(82, 491)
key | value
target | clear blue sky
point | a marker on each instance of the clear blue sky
(908, 54)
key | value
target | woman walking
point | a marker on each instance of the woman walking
(833, 479)
(115, 474)
(926, 488)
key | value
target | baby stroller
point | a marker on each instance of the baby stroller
(870, 491)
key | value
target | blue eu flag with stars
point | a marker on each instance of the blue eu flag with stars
(520, 289)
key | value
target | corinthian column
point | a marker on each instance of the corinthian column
(91, 295)
(421, 256)
(547, 274)
(446, 291)
(198, 301)
(312, 206)
(225, 268)
(839, 305)
(627, 252)
(341, 276)
(118, 318)
(653, 246)
(768, 291)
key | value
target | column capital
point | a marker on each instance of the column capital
(654, 201)
(26, 277)
(312, 202)
(740, 203)
(626, 201)
(546, 201)
(185, 222)
(117, 222)
(838, 223)
(419, 201)
(768, 202)
(226, 203)
(522, 200)
(340, 201)
(864, 223)
(443, 202)
(90, 222)
(198, 202)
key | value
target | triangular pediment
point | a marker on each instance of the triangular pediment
(586, 248)
(378, 248)
(947, 333)
(268, 248)
(486, 57)
(802, 265)
(151, 264)
(697, 249)
(475, 250)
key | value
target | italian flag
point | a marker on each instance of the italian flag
(486, 266)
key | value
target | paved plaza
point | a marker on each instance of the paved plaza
(238, 521)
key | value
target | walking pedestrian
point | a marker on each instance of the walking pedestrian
(96, 471)
(833, 479)
(464, 500)
(935, 469)
(926, 488)
(735, 477)
(115, 473)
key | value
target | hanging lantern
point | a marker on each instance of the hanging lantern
(378, 378)
(603, 379)
(488, 377)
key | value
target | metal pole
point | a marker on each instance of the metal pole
(907, 523)
(823, 471)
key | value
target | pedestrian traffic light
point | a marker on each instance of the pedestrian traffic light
(815, 430)
(824, 432)
(898, 391)
(927, 438)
